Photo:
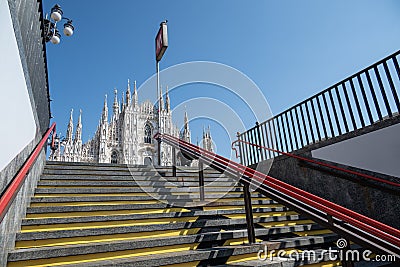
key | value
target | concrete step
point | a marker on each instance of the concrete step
(100, 166)
(211, 237)
(62, 183)
(126, 197)
(126, 171)
(265, 214)
(70, 207)
(203, 224)
(199, 257)
(187, 178)
(105, 190)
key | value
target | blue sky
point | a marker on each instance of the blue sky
(290, 49)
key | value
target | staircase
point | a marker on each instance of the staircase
(111, 215)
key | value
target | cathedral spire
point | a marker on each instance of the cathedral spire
(186, 120)
(135, 95)
(70, 127)
(128, 94)
(104, 115)
(78, 132)
(207, 140)
(185, 135)
(116, 104)
(167, 103)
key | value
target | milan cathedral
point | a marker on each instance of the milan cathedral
(128, 137)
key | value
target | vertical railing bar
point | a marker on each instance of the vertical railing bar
(289, 132)
(335, 112)
(259, 142)
(304, 126)
(255, 150)
(273, 138)
(251, 148)
(281, 148)
(267, 141)
(346, 95)
(246, 153)
(321, 115)
(385, 99)
(315, 120)
(360, 115)
(310, 123)
(262, 142)
(298, 127)
(328, 114)
(294, 129)
(284, 135)
(392, 87)
(346, 126)
(372, 90)
(248, 147)
(396, 66)
(364, 95)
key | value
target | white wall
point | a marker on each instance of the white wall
(17, 121)
(377, 151)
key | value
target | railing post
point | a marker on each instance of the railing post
(159, 151)
(173, 162)
(249, 214)
(201, 180)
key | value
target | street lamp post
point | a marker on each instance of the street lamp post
(161, 47)
(51, 33)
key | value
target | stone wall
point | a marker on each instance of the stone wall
(27, 23)
(11, 223)
(373, 199)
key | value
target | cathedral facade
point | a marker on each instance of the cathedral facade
(128, 137)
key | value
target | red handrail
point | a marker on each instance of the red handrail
(318, 163)
(13, 188)
(373, 227)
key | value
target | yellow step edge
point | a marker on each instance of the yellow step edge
(97, 257)
(313, 232)
(101, 213)
(239, 241)
(94, 225)
(93, 203)
(92, 195)
(186, 264)
(253, 256)
(241, 207)
(285, 223)
(103, 238)
(262, 214)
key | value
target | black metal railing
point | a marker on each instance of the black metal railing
(363, 99)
